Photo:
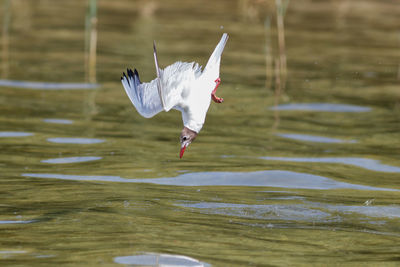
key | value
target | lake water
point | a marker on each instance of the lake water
(300, 170)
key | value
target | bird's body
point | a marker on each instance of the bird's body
(182, 86)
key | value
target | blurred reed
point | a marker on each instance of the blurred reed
(5, 39)
(398, 70)
(268, 53)
(277, 92)
(280, 14)
(89, 108)
(91, 41)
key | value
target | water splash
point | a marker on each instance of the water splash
(271, 212)
(308, 212)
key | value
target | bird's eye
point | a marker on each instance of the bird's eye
(184, 138)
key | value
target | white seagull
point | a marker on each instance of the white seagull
(182, 86)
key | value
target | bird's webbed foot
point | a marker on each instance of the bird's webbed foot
(213, 96)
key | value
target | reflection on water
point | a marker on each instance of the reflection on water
(283, 179)
(325, 107)
(368, 164)
(314, 138)
(58, 121)
(371, 211)
(15, 134)
(74, 140)
(266, 212)
(12, 251)
(70, 160)
(152, 259)
(309, 211)
(15, 222)
(47, 85)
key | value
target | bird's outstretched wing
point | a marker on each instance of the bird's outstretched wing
(174, 80)
(144, 96)
(211, 71)
(158, 71)
(215, 57)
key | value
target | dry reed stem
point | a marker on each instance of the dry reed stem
(91, 41)
(277, 93)
(280, 10)
(5, 40)
(268, 54)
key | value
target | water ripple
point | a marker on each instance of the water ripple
(70, 140)
(309, 211)
(47, 85)
(70, 160)
(12, 251)
(270, 178)
(271, 212)
(392, 211)
(315, 138)
(16, 222)
(153, 259)
(58, 121)
(326, 107)
(369, 164)
(15, 134)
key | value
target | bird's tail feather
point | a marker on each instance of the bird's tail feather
(216, 55)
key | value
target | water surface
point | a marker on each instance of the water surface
(47, 85)
(314, 138)
(70, 160)
(369, 164)
(15, 134)
(58, 121)
(324, 107)
(275, 178)
(75, 140)
(302, 174)
(159, 260)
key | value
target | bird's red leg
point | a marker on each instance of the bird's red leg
(213, 96)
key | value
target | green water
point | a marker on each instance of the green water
(246, 192)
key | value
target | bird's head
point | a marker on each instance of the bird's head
(186, 138)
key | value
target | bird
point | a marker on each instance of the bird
(182, 86)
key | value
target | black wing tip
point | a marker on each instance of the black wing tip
(137, 75)
(131, 74)
(124, 77)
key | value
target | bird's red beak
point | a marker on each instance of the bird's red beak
(182, 151)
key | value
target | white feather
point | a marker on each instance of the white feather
(183, 87)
